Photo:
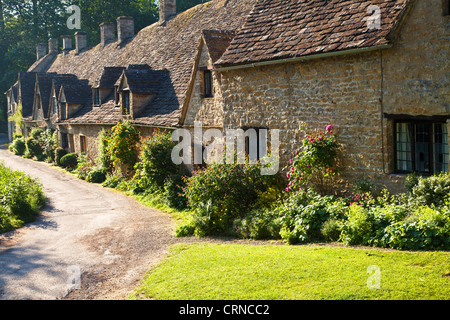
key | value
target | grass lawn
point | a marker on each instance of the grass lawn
(266, 272)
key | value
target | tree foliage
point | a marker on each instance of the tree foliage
(24, 23)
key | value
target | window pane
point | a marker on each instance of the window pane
(404, 153)
(422, 147)
(440, 147)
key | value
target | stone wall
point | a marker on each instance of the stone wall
(207, 110)
(351, 93)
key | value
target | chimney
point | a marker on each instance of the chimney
(41, 51)
(67, 44)
(167, 10)
(80, 41)
(108, 33)
(53, 46)
(125, 28)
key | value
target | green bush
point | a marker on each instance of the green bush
(425, 228)
(59, 153)
(36, 133)
(331, 230)
(304, 213)
(49, 142)
(112, 181)
(33, 147)
(156, 161)
(97, 175)
(18, 146)
(84, 166)
(259, 225)
(432, 190)
(173, 191)
(69, 161)
(21, 199)
(231, 191)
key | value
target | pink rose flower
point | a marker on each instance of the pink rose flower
(288, 175)
(329, 127)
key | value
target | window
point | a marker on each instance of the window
(421, 146)
(83, 144)
(54, 105)
(206, 83)
(97, 101)
(255, 143)
(126, 102)
(64, 141)
(63, 111)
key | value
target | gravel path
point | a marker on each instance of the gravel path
(107, 237)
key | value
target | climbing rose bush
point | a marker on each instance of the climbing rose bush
(314, 163)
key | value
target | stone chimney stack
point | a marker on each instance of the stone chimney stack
(167, 10)
(108, 33)
(41, 51)
(125, 28)
(81, 41)
(53, 46)
(67, 44)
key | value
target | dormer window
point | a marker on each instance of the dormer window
(63, 106)
(126, 102)
(96, 96)
(54, 105)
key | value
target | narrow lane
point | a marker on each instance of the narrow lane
(106, 236)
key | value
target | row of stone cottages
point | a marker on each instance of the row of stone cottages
(377, 70)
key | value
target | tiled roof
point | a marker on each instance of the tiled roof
(170, 47)
(27, 81)
(217, 42)
(278, 29)
(108, 77)
(142, 79)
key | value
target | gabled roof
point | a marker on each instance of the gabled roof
(217, 41)
(109, 77)
(78, 93)
(142, 79)
(281, 29)
(26, 82)
(171, 47)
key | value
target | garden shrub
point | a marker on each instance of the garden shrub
(18, 146)
(97, 175)
(221, 193)
(36, 133)
(69, 161)
(59, 153)
(156, 161)
(112, 181)
(258, 225)
(304, 213)
(331, 230)
(33, 147)
(173, 191)
(123, 145)
(49, 142)
(104, 157)
(21, 199)
(432, 190)
(426, 228)
(84, 166)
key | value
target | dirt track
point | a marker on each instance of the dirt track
(108, 237)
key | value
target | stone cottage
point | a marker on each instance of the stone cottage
(377, 70)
